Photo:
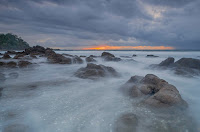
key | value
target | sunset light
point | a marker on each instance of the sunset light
(107, 47)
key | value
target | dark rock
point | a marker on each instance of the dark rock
(22, 64)
(2, 64)
(93, 71)
(126, 123)
(11, 64)
(18, 56)
(157, 92)
(134, 55)
(1, 89)
(109, 57)
(49, 52)
(35, 50)
(188, 63)
(152, 56)
(57, 58)
(33, 56)
(82, 56)
(93, 56)
(105, 54)
(11, 52)
(90, 59)
(2, 77)
(6, 56)
(77, 60)
(169, 61)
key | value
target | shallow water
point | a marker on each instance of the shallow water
(48, 98)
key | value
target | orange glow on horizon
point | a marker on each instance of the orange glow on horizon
(107, 47)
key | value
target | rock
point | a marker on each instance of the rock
(152, 56)
(2, 64)
(68, 55)
(33, 56)
(57, 58)
(16, 128)
(105, 54)
(49, 52)
(93, 56)
(109, 57)
(126, 123)
(11, 64)
(23, 64)
(126, 56)
(185, 66)
(169, 61)
(6, 56)
(188, 63)
(134, 55)
(157, 92)
(82, 56)
(13, 75)
(18, 56)
(2, 77)
(77, 60)
(11, 52)
(93, 71)
(35, 50)
(90, 59)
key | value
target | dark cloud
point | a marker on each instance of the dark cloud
(72, 23)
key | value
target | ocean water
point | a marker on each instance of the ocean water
(49, 98)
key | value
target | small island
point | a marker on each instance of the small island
(10, 41)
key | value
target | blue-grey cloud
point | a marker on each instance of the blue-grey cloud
(73, 23)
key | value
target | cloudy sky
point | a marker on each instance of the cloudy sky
(86, 23)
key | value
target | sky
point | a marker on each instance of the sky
(83, 24)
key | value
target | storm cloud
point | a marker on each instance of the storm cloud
(79, 23)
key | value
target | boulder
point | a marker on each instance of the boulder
(93, 71)
(18, 56)
(11, 52)
(2, 64)
(35, 50)
(11, 64)
(126, 123)
(90, 59)
(152, 56)
(169, 61)
(23, 64)
(109, 57)
(188, 63)
(6, 56)
(77, 60)
(156, 92)
(57, 58)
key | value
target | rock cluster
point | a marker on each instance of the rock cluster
(184, 66)
(13, 64)
(93, 71)
(156, 92)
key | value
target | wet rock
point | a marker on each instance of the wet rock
(23, 64)
(6, 56)
(11, 64)
(93, 71)
(152, 56)
(57, 58)
(2, 64)
(13, 75)
(156, 92)
(35, 50)
(77, 60)
(109, 57)
(90, 59)
(11, 52)
(18, 56)
(126, 123)
(185, 66)
(2, 77)
(134, 55)
(16, 128)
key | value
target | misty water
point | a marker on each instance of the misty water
(49, 98)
